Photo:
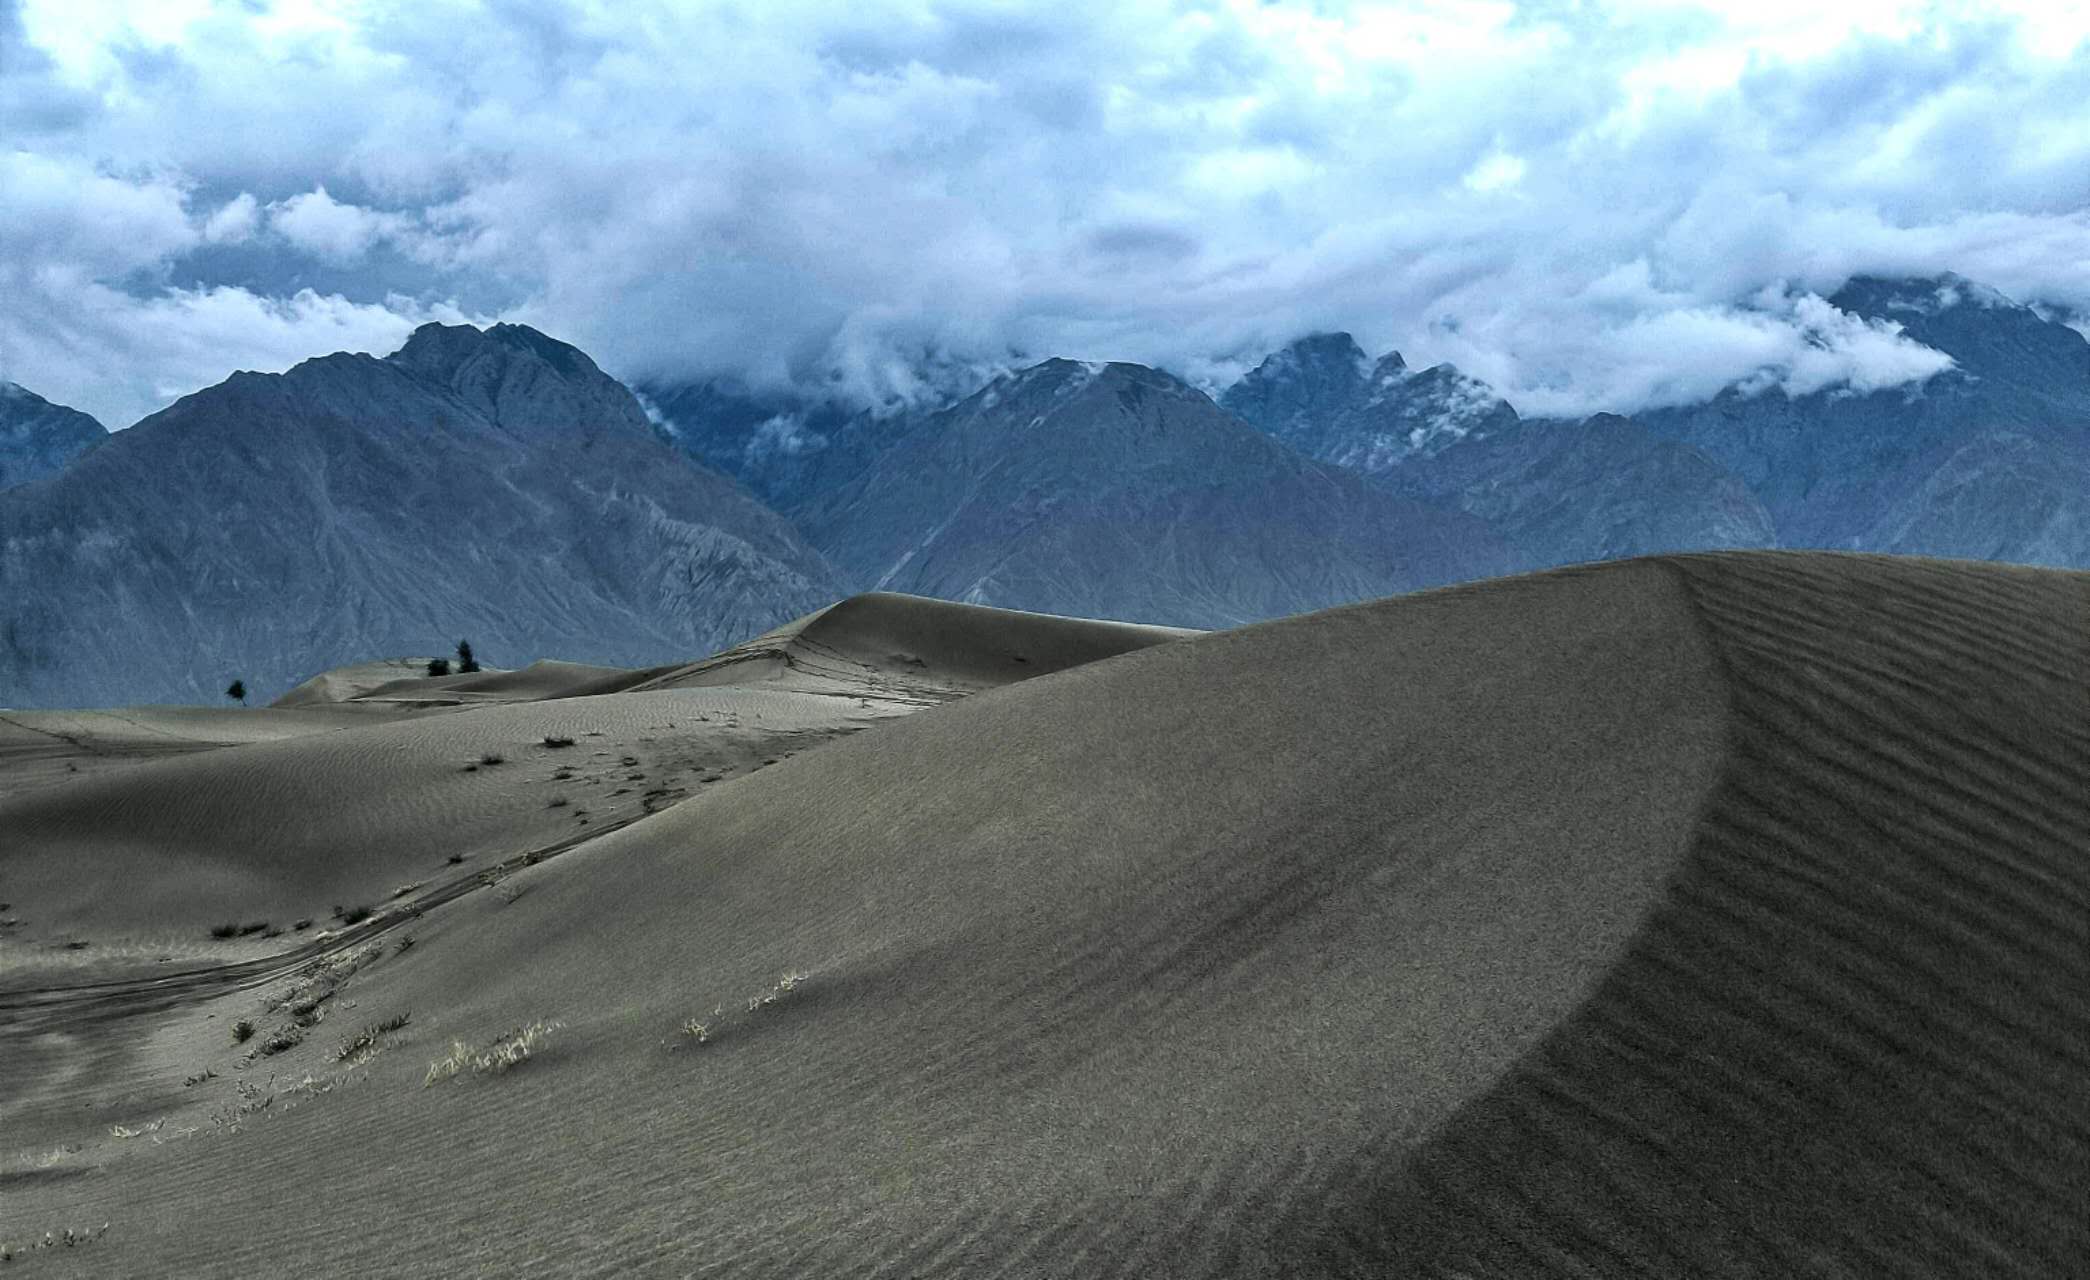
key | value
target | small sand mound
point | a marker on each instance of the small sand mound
(344, 684)
(912, 641)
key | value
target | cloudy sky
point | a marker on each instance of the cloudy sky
(1589, 205)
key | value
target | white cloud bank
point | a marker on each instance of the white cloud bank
(1592, 207)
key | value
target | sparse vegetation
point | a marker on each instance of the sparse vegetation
(699, 1029)
(363, 1043)
(354, 915)
(702, 1029)
(558, 802)
(242, 1031)
(556, 741)
(504, 1054)
(224, 931)
(66, 1239)
(786, 984)
(492, 758)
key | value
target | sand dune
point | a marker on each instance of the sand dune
(345, 684)
(1703, 916)
(911, 643)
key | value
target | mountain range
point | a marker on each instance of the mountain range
(499, 485)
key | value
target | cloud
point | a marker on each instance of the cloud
(120, 357)
(234, 221)
(324, 227)
(1590, 207)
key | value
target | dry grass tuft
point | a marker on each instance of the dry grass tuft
(505, 1053)
(364, 1043)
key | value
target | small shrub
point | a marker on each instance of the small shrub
(405, 943)
(357, 915)
(194, 1080)
(699, 1029)
(438, 666)
(558, 802)
(280, 1042)
(242, 1031)
(259, 926)
(556, 741)
(493, 758)
(224, 931)
(456, 858)
(303, 925)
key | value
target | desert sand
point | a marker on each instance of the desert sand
(1717, 915)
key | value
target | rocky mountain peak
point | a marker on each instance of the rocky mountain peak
(38, 438)
(1388, 369)
(1301, 385)
(521, 379)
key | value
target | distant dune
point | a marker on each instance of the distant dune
(1712, 915)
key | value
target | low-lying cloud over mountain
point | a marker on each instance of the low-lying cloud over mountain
(1605, 207)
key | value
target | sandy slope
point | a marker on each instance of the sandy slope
(41, 747)
(295, 820)
(1710, 916)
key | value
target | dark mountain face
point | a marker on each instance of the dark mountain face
(1118, 491)
(1600, 489)
(2003, 495)
(38, 438)
(1558, 493)
(491, 485)
(786, 447)
(1835, 468)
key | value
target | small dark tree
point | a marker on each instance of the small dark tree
(466, 663)
(238, 692)
(438, 666)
